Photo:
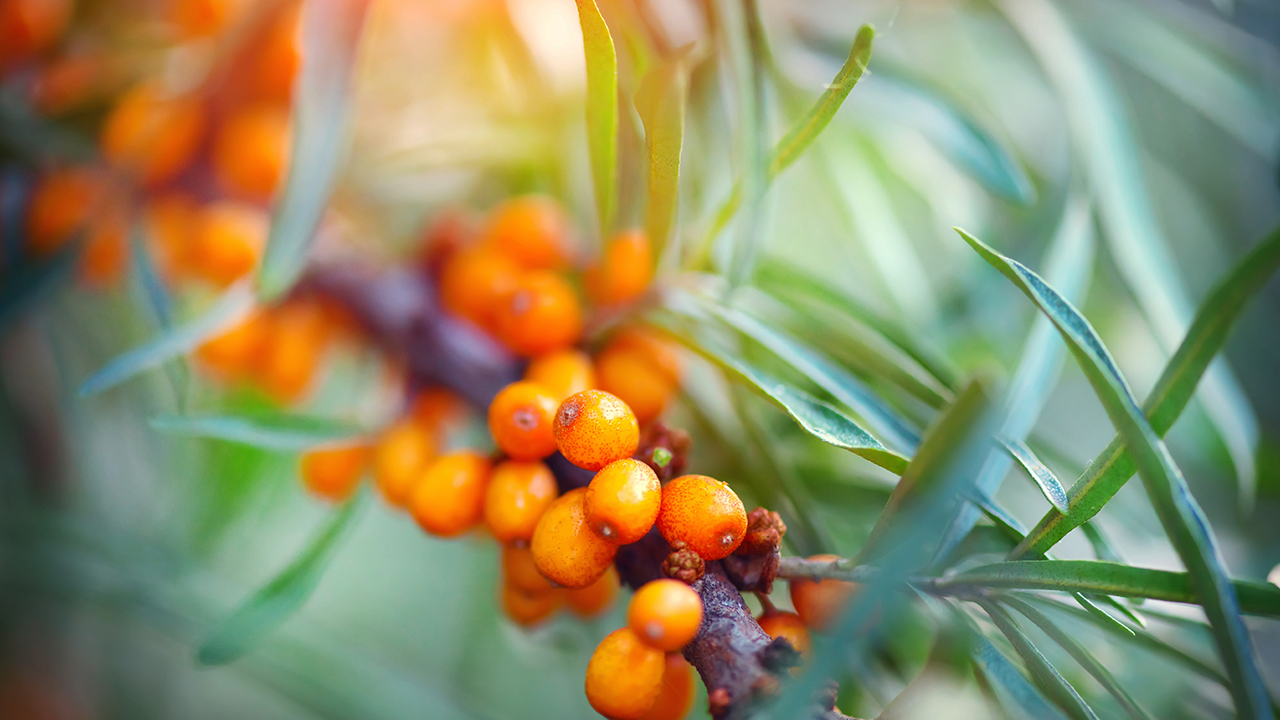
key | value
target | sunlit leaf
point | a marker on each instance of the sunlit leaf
(661, 102)
(1044, 478)
(602, 109)
(270, 431)
(1046, 677)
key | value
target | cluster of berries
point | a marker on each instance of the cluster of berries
(192, 156)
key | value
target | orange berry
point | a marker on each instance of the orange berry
(623, 500)
(401, 456)
(200, 18)
(67, 82)
(333, 473)
(152, 133)
(234, 353)
(594, 428)
(642, 368)
(473, 282)
(449, 499)
(518, 494)
(528, 609)
(566, 551)
(439, 408)
(624, 676)
(169, 222)
(539, 315)
(293, 350)
(562, 373)
(676, 698)
(520, 419)
(532, 231)
(596, 597)
(29, 26)
(624, 273)
(105, 253)
(279, 54)
(819, 602)
(228, 239)
(665, 613)
(788, 625)
(521, 572)
(61, 203)
(251, 150)
(704, 513)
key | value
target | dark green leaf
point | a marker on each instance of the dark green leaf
(602, 109)
(29, 280)
(331, 31)
(1039, 472)
(1046, 677)
(270, 431)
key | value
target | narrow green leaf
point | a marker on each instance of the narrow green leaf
(1183, 521)
(1102, 547)
(1039, 472)
(331, 31)
(746, 242)
(661, 102)
(602, 109)
(1114, 466)
(174, 342)
(269, 431)
(1101, 615)
(1095, 576)
(1010, 685)
(280, 598)
(1042, 672)
(1082, 656)
(26, 282)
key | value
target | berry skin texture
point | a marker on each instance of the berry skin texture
(562, 373)
(474, 281)
(676, 698)
(594, 428)
(333, 474)
(540, 314)
(624, 676)
(624, 273)
(251, 151)
(529, 609)
(520, 420)
(703, 513)
(595, 598)
(518, 494)
(153, 134)
(400, 458)
(532, 231)
(623, 500)
(565, 550)
(449, 499)
(788, 625)
(820, 602)
(521, 572)
(665, 614)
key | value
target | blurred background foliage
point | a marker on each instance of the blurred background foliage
(1149, 129)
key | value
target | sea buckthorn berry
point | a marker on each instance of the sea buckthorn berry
(562, 373)
(520, 419)
(623, 500)
(642, 368)
(703, 513)
(528, 609)
(293, 351)
(596, 597)
(399, 460)
(539, 315)
(474, 281)
(234, 353)
(61, 202)
(29, 26)
(170, 219)
(68, 82)
(279, 54)
(665, 614)
(152, 133)
(449, 499)
(228, 240)
(820, 602)
(676, 698)
(518, 494)
(594, 428)
(624, 272)
(333, 473)
(624, 676)
(532, 231)
(439, 408)
(200, 18)
(251, 150)
(105, 253)
(788, 625)
(521, 572)
(566, 551)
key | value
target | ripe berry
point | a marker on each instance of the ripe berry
(200, 18)
(530, 230)
(566, 551)
(520, 420)
(521, 572)
(235, 352)
(642, 368)
(401, 456)
(228, 238)
(61, 202)
(251, 150)
(153, 133)
(820, 602)
(676, 698)
(539, 315)
(474, 281)
(594, 428)
(623, 500)
(596, 597)
(518, 494)
(788, 625)
(528, 609)
(562, 373)
(703, 513)
(439, 409)
(624, 676)
(105, 252)
(665, 613)
(449, 499)
(170, 219)
(29, 26)
(624, 273)
(334, 473)
(67, 82)
(293, 350)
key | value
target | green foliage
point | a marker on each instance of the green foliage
(267, 430)
(602, 109)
